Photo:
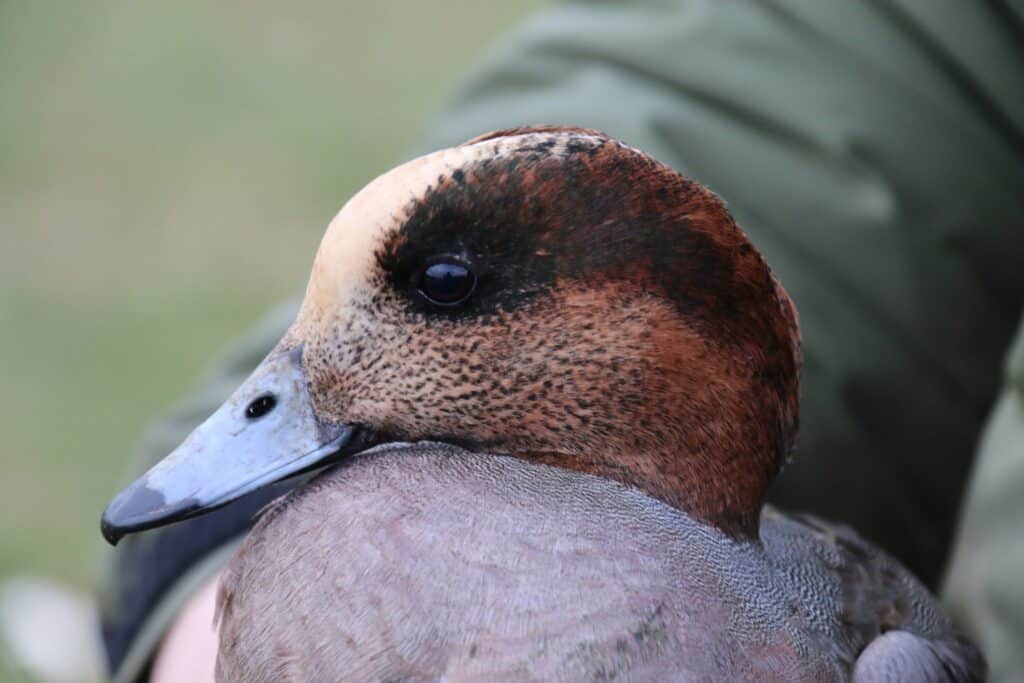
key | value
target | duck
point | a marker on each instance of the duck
(546, 382)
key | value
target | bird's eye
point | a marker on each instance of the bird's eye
(260, 406)
(447, 283)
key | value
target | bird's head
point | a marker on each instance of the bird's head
(548, 293)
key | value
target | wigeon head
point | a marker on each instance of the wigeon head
(547, 293)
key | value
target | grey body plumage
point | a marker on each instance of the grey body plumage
(425, 563)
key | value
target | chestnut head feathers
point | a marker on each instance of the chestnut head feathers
(544, 292)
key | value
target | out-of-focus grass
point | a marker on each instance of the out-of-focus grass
(166, 171)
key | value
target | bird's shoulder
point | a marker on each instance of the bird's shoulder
(855, 597)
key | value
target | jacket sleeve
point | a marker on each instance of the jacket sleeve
(984, 588)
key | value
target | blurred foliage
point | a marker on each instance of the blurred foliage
(166, 171)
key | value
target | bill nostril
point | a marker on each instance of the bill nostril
(260, 406)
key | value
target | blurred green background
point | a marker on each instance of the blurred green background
(166, 172)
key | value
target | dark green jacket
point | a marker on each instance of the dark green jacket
(984, 586)
(874, 151)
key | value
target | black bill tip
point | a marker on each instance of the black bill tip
(138, 508)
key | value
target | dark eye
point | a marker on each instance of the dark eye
(447, 283)
(260, 406)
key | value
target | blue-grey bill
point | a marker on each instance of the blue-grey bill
(235, 451)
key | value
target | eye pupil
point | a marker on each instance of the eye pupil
(260, 406)
(447, 283)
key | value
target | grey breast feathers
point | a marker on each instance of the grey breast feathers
(427, 563)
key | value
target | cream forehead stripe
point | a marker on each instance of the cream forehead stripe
(345, 258)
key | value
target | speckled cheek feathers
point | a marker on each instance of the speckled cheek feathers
(622, 324)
